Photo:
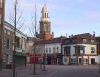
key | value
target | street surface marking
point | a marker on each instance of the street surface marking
(52, 74)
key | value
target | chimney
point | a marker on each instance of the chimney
(53, 34)
(66, 34)
(93, 34)
(69, 36)
(72, 35)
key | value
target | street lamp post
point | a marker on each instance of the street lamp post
(44, 68)
(34, 72)
(14, 52)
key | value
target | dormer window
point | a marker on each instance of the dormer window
(92, 41)
(84, 40)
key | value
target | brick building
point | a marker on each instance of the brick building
(80, 49)
(98, 45)
(2, 8)
(8, 45)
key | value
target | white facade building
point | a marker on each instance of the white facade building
(80, 49)
(89, 56)
(52, 50)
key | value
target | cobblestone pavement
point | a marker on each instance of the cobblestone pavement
(54, 71)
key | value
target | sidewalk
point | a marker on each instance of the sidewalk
(26, 72)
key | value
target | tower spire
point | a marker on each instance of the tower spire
(45, 24)
(45, 13)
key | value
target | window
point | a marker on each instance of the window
(67, 50)
(82, 50)
(92, 50)
(65, 59)
(54, 50)
(45, 15)
(74, 61)
(84, 40)
(67, 41)
(46, 50)
(4, 58)
(49, 50)
(79, 50)
(8, 43)
(92, 41)
(57, 49)
(5, 31)
(8, 32)
(86, 61)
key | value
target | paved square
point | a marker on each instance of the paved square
(54, 71)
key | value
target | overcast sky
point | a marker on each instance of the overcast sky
(67, 16)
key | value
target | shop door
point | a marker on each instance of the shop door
(92, 61)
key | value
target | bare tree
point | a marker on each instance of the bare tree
(19, 16)
(33, 34)
(16, 19)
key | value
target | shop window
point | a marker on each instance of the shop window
(65, 59)
(86, 61)
(74, 61)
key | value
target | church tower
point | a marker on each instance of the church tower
(45, 25)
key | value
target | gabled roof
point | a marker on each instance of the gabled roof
(76, 39)
(12, 27)
(51, 41)
(83, 35)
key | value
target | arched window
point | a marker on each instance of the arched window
(45, 15)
